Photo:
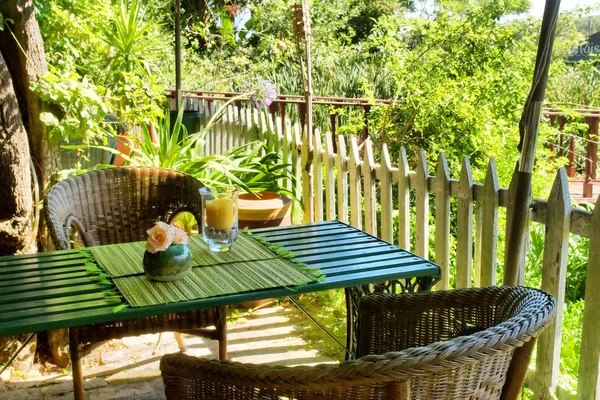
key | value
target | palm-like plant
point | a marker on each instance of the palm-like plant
(251, 167)
(132, 43)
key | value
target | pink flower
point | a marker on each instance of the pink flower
(160, 237)
(180, 236)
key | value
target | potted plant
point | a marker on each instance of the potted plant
(265, 200)
(259, 173)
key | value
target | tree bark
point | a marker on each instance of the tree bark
(26, 62)
(16, 212)
(16, 203)
(23, 138)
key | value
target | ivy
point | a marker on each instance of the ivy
(76, 109)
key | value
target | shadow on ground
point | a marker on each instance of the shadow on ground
(129, 369)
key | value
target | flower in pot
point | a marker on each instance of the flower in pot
(167, 257)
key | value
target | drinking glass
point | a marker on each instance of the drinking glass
(219, 217)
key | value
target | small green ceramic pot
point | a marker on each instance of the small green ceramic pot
(170, 265)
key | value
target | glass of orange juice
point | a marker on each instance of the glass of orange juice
(219, 217)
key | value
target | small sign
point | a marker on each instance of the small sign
(584, 51)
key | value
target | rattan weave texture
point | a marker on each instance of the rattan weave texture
(435, 345)
(118, 205)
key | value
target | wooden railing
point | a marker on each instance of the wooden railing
(361, 185)
(293, 108)
(287, 107)
(566, 145)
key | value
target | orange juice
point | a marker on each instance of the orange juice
(220, 213)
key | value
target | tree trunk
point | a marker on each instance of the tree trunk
(26, 62)
(16, 211)
(23, 138)
(16, 204)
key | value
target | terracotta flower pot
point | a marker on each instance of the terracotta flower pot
(268, 210)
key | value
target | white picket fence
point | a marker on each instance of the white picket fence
(348, 184)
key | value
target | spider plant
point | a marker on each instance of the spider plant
(133, 45)
(251, 167)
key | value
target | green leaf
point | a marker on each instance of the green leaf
(49, 119)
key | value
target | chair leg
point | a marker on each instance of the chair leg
(180, 342)
(223, 349)
(517, 371)
(221, 334)
(77, 373)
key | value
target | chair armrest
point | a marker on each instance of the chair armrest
(397, 322)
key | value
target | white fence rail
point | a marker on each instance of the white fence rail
(339, 180)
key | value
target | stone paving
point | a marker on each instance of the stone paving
(128, 368)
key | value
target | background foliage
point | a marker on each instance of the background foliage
(459, 72)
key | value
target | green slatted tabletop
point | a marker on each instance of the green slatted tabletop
(52, 290)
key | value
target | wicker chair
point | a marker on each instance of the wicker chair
(440, 345)
(118, 205)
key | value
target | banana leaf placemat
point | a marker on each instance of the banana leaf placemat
(125, 259)
(214, 280)
(251, 264)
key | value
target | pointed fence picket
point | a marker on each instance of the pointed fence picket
(442, 221)
(421, 186)
(359, 183)
(464, 227)
(489, 226)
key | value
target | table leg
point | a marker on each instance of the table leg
(353, 295)
(76, 371)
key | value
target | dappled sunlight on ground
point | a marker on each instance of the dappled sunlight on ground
(129, 368)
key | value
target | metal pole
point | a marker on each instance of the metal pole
(19, 350)
(177, 53)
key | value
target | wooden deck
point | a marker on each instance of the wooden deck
(576, 190)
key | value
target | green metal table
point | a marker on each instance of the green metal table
(52, 290)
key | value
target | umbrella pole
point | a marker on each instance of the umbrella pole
(513, 267)
(514, 270)
(530, 120)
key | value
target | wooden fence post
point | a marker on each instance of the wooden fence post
(385, 187)
(317, 177)
(403, 201)
(571, 169)
(464, 227)
(442, 221)
(368, 174)
(589, 363)
(307, 183)
(591, 156)
(489, 229)
(223, 131)
(422, 206)
(341, 165)
(561, 136)
(554, 276)
(329, 177)
(287, 148)
(354, 167)
(297, 170)
(478, 223)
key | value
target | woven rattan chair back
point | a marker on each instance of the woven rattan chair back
(118, 205)
(464, 341)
